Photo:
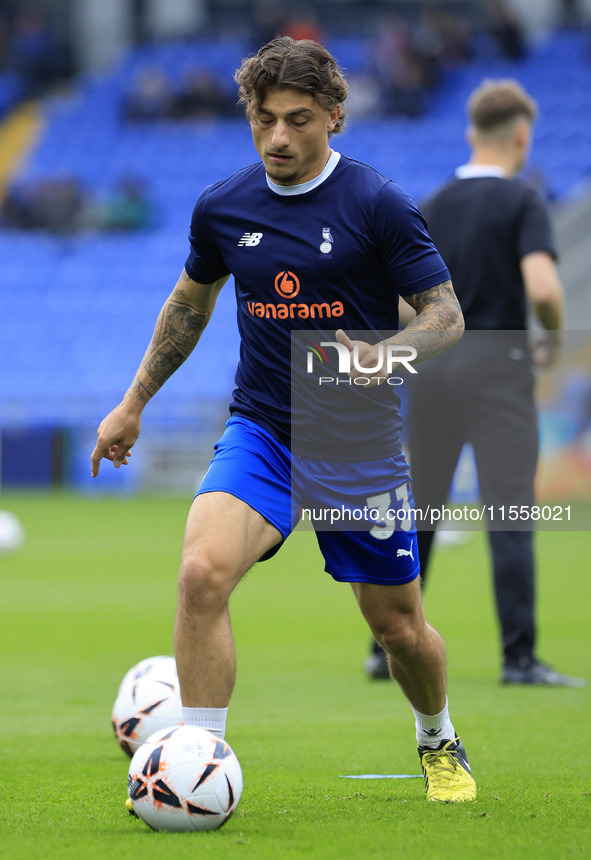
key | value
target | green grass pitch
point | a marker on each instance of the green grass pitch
(93, 591)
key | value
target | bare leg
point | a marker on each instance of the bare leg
(223, 539)
(416, 655)
(416, 652)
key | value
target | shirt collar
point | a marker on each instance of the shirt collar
(474, 171)
(304, 187)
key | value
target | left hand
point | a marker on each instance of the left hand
(366, 355)
(545, 348)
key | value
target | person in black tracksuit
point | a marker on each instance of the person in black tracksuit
(494, 233)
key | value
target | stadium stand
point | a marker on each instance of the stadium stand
(77, 310)
(12, 89)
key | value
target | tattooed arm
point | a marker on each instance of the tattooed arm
(180, 324)
(438, 324)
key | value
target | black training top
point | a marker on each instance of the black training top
(483, 226)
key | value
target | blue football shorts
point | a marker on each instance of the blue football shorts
(362, 512)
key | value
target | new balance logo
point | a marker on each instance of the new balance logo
(402, 552)
(250, 240)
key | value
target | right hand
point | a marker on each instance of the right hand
(117, 434)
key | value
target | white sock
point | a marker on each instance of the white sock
(212, 719)
(433, 728)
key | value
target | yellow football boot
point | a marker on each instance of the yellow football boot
(447, 773)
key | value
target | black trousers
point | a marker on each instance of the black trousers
(481, 392)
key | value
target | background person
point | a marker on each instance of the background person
(495, 235)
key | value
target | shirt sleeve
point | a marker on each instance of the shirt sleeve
(535, 232)
(205, 263)
(405, 247)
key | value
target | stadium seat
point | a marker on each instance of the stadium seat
(76, 312)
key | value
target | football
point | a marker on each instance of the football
(12, 533)
(184, 778)
(142, 707)
(160, 668)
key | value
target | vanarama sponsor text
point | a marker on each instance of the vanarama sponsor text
(300, 310)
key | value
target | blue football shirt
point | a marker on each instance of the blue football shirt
(335, 252)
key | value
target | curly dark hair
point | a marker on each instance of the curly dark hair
(285, 62)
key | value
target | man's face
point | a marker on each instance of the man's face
(290, 133)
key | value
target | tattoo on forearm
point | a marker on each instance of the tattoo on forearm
(183, 325)
(439, 322)
(177, 332)
(140, 390)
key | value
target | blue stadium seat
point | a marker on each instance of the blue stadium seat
(11, 91)
(76, 312)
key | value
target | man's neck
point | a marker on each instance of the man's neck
(504, 161)
(304, 187)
